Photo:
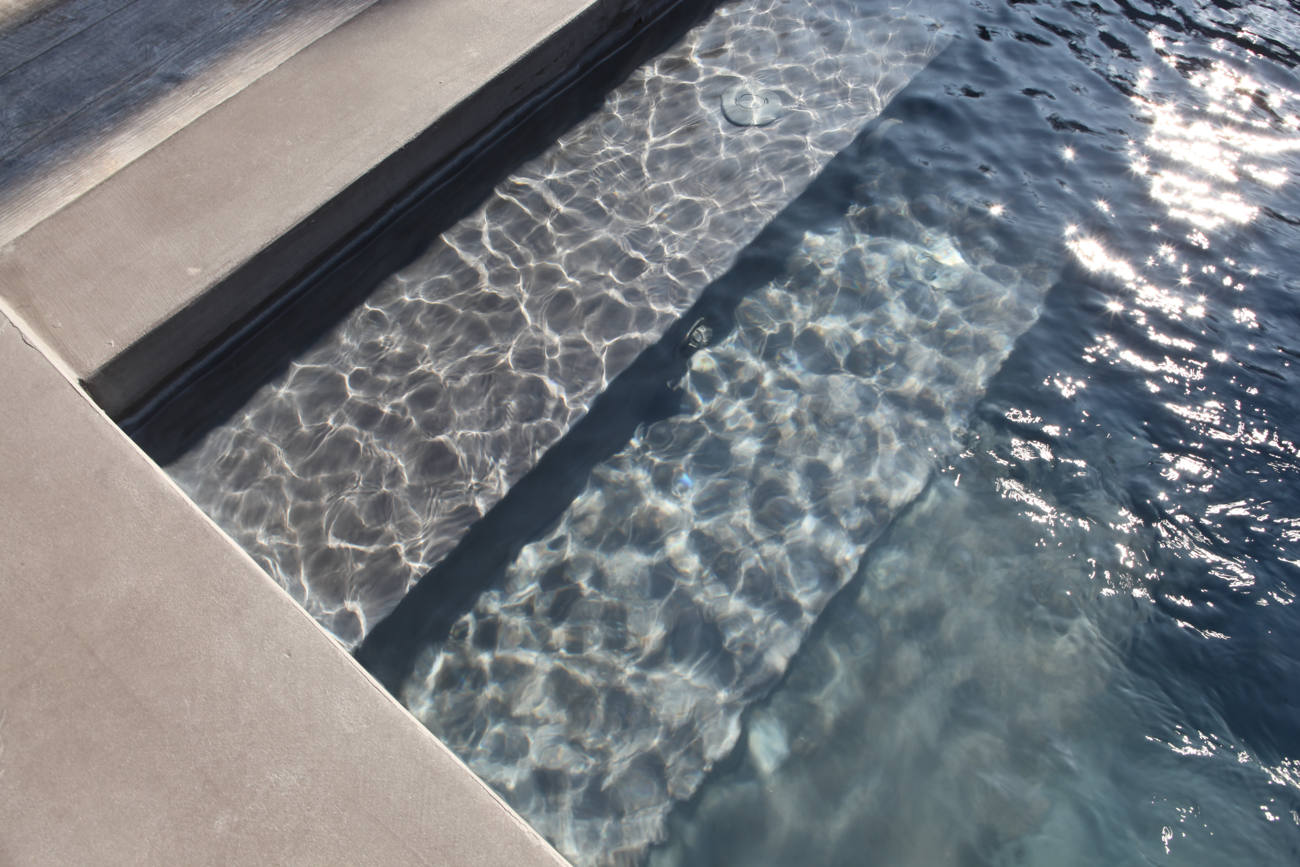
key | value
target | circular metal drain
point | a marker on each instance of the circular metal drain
(698, 336)
(751, 104)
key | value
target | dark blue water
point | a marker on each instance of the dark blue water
(1079, 644)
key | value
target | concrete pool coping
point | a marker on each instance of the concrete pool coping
(153, 267)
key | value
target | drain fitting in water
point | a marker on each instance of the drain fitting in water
(751, 104)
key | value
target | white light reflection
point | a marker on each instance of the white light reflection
(1210, 160)
(1204, 150)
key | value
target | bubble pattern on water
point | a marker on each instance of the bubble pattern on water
(358, 469)
(603, 679)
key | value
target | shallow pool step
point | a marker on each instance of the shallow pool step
(360, 467)
(598, 680)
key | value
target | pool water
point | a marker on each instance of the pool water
(1078, 645)
(961, 526)
(622, 645)
(969, 542)
(358, 467)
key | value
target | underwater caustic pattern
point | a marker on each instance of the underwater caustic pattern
(600, 683)
(971, 698)
(1078, 646)
(929, 696)
(354, 472)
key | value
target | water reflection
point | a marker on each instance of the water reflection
(1240, 126)
(1214, 157)
(1076, 647)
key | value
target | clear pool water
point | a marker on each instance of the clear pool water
(361, 465)
(963, 526)
(1078, 645)
(971, 540)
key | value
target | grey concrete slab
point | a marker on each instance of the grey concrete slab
(162, 701)
(136, 277)
(365, 457)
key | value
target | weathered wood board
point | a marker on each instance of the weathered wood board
(86, 86)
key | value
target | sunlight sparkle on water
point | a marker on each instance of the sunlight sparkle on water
(1207, 148)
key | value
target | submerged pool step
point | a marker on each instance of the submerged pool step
(604, 670)
(161, 696)
(360, 467)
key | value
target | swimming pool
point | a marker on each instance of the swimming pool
(351, 473)
(1077, 646)
(952, 519)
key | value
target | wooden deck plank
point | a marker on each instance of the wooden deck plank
(138, 39)
(30, 27)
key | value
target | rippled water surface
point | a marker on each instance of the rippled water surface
(963, 525)
(1078, 645)
(351, 473)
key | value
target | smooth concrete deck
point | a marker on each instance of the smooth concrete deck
(144, 272)
(163, 702)
(161, 699)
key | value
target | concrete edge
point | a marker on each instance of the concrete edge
(421, 732)
(156, 266)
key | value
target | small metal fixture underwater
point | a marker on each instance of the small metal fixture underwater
(751, 104)
(697, 337)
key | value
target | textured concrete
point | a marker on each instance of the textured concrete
(162, 701)
(142, 273)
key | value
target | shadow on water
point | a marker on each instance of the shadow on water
(254, 352)
(643, 393)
